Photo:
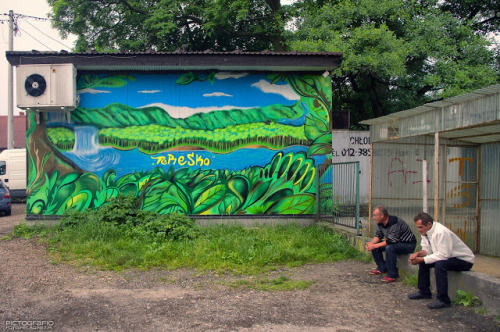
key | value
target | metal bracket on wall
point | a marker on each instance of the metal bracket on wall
(37, 116)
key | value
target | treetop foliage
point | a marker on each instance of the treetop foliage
(397, 54)
(166, 25)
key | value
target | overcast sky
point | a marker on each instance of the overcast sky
(33, 34)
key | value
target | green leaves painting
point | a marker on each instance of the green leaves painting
(191, 77)
(316, 94)
(286, 185)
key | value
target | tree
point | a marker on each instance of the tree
(398, 54)
(483, 15)
(167, 25)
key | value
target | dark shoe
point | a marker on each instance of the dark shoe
(388, 279)
(419, 296)
(438, 305)
(375, 272)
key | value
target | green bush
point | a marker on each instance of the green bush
(173, 226)
(124, 213)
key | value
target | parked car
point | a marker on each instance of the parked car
(13, 171)
(5, 202)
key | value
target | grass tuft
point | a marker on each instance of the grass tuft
(409, 279)
(282, 283)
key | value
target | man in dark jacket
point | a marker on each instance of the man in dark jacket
(393, 236)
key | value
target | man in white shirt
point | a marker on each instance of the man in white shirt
(442, 250)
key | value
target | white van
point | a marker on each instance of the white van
(13, 171)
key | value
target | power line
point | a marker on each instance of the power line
(33, 17)
(15, 18)
(26, 16)
(34, 38)
(43, 33)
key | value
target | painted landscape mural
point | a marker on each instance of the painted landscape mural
(193, 143)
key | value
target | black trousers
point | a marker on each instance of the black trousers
(441, 269)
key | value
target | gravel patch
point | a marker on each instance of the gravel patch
(342, 297)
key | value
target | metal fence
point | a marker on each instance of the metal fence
(338, 192)
(402, 181)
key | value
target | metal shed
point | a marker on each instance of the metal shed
(443, 158)
(239, 135)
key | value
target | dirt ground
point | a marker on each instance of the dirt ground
(343, 297)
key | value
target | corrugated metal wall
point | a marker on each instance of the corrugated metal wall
(398, 178)
(466, 113)
(469, 177)
(459, 211)
(490, 200)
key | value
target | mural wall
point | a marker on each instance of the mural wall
(200, 144)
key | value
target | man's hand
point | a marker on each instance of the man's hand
(414, 259)
(370, 246)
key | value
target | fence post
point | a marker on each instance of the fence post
(357, 198)
(318, 196)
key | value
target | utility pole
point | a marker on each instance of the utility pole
(10, 89)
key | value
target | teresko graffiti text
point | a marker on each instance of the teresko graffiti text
(190, 159)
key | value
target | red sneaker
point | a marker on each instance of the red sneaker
(375, 272)
(388, 279)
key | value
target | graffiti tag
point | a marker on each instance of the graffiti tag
(462, 233)
(399, 168)
(460, 163)
(191, 160)
(463, 189)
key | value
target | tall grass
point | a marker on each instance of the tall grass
(119, 236)
(221, 248)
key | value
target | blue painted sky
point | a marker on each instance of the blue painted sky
(228, 90)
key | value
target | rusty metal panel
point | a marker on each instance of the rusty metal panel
(460, 208)
(490, 200)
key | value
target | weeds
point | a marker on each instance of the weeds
(282, 283)
(409, 279)
(481, 311)
(466, 299)
(28, 232)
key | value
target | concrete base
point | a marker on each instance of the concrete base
(485, 287)
(253, 221)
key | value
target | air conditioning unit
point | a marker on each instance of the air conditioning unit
(47, 87)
